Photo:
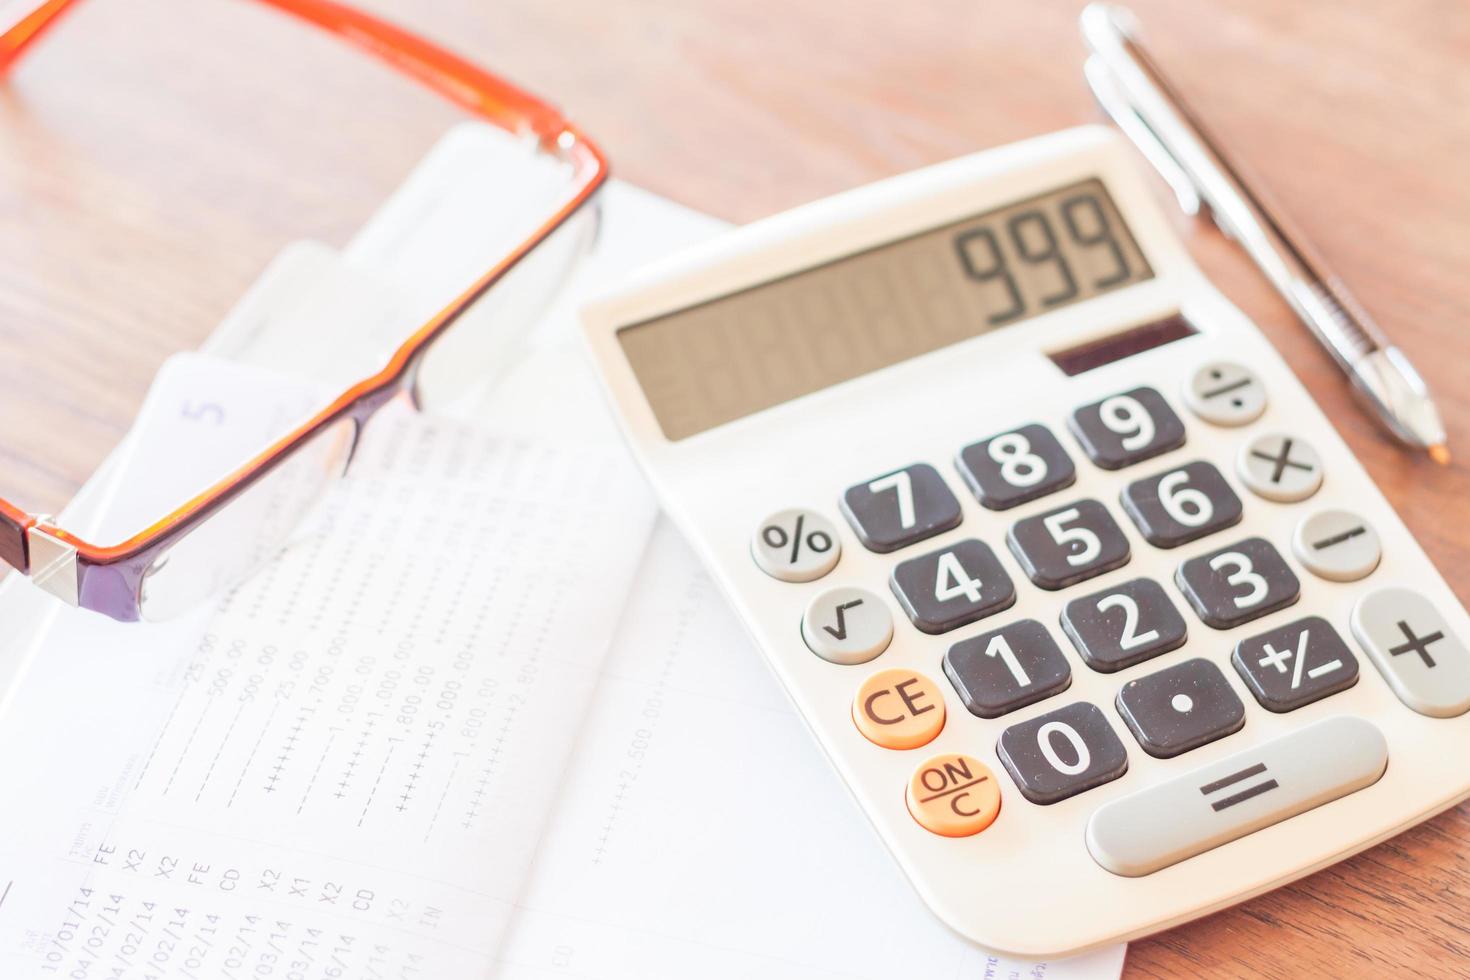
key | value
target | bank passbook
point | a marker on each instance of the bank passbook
(1100, 620)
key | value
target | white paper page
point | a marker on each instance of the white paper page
(346, 773)
(701, 833)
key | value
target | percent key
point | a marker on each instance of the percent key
(796, 546)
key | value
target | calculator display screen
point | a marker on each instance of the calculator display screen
(729, 357)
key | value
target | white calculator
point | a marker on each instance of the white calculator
(1100, 620)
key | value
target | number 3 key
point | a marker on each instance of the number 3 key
(1238, 583)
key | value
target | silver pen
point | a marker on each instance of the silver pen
(1132, 90)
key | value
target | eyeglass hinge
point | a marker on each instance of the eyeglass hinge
(54, 565)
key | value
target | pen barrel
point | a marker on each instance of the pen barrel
(1338, 319)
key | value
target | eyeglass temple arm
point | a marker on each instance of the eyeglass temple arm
(474, 88)
(14, 550)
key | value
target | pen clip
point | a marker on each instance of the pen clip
(1115, 103)
(1124, 81)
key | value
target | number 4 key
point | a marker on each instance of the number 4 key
(948, 588)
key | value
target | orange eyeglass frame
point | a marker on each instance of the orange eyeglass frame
(108, 579)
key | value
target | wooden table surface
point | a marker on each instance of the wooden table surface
(155, 155)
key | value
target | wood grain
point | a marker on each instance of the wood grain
(156, 154)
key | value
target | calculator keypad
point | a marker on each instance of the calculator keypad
(1170, 711)
(847, 625)
(1180, 708)
(951, 587)
(1067, 545)
(1124, 625)
(1238, 583)
(1016, 467)
(1295, 664)
(1127, 428)
(1181, 505)
(1062, 753)
(1008, 668)
(900, 508)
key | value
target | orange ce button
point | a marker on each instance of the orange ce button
(953, 796)
(899, 709)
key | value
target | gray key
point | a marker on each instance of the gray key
(1069, 544)
(1127, 428)
(1181, 505)
(1016, 466)
(1005, 669)
(1337, 545)
(1062, 753)
(1168, 822)
(948, 588)
(796, 546)
(1225, 393)
(1238, 583)
(1295, 664)
(847, 626)
(1281, 468)
(1180, 708)
(897, 509)
(1124, 625)
(1415, 650)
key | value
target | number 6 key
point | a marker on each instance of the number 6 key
(1181, 505)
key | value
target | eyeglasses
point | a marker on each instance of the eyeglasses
(213, 541)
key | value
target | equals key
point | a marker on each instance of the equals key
(1198, 811)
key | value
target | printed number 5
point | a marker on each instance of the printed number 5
(1065, 536)
(200, 411)
(1245, 574)
(901, 484)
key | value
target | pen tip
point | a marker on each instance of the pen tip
(1440, 453)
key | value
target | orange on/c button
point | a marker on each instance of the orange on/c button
(898, 709)
(953, 795)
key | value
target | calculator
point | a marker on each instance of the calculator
(1100, 621)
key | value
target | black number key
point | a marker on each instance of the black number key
(1068, 544)
(1063, 753)
(1006, 669)
(1017, 466)
(900, 508)
(1180, 708)
(1181, 505)
(1295, 664)
(1124, 625)
(946, 589)
(1238, 583)
(1127, 428)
